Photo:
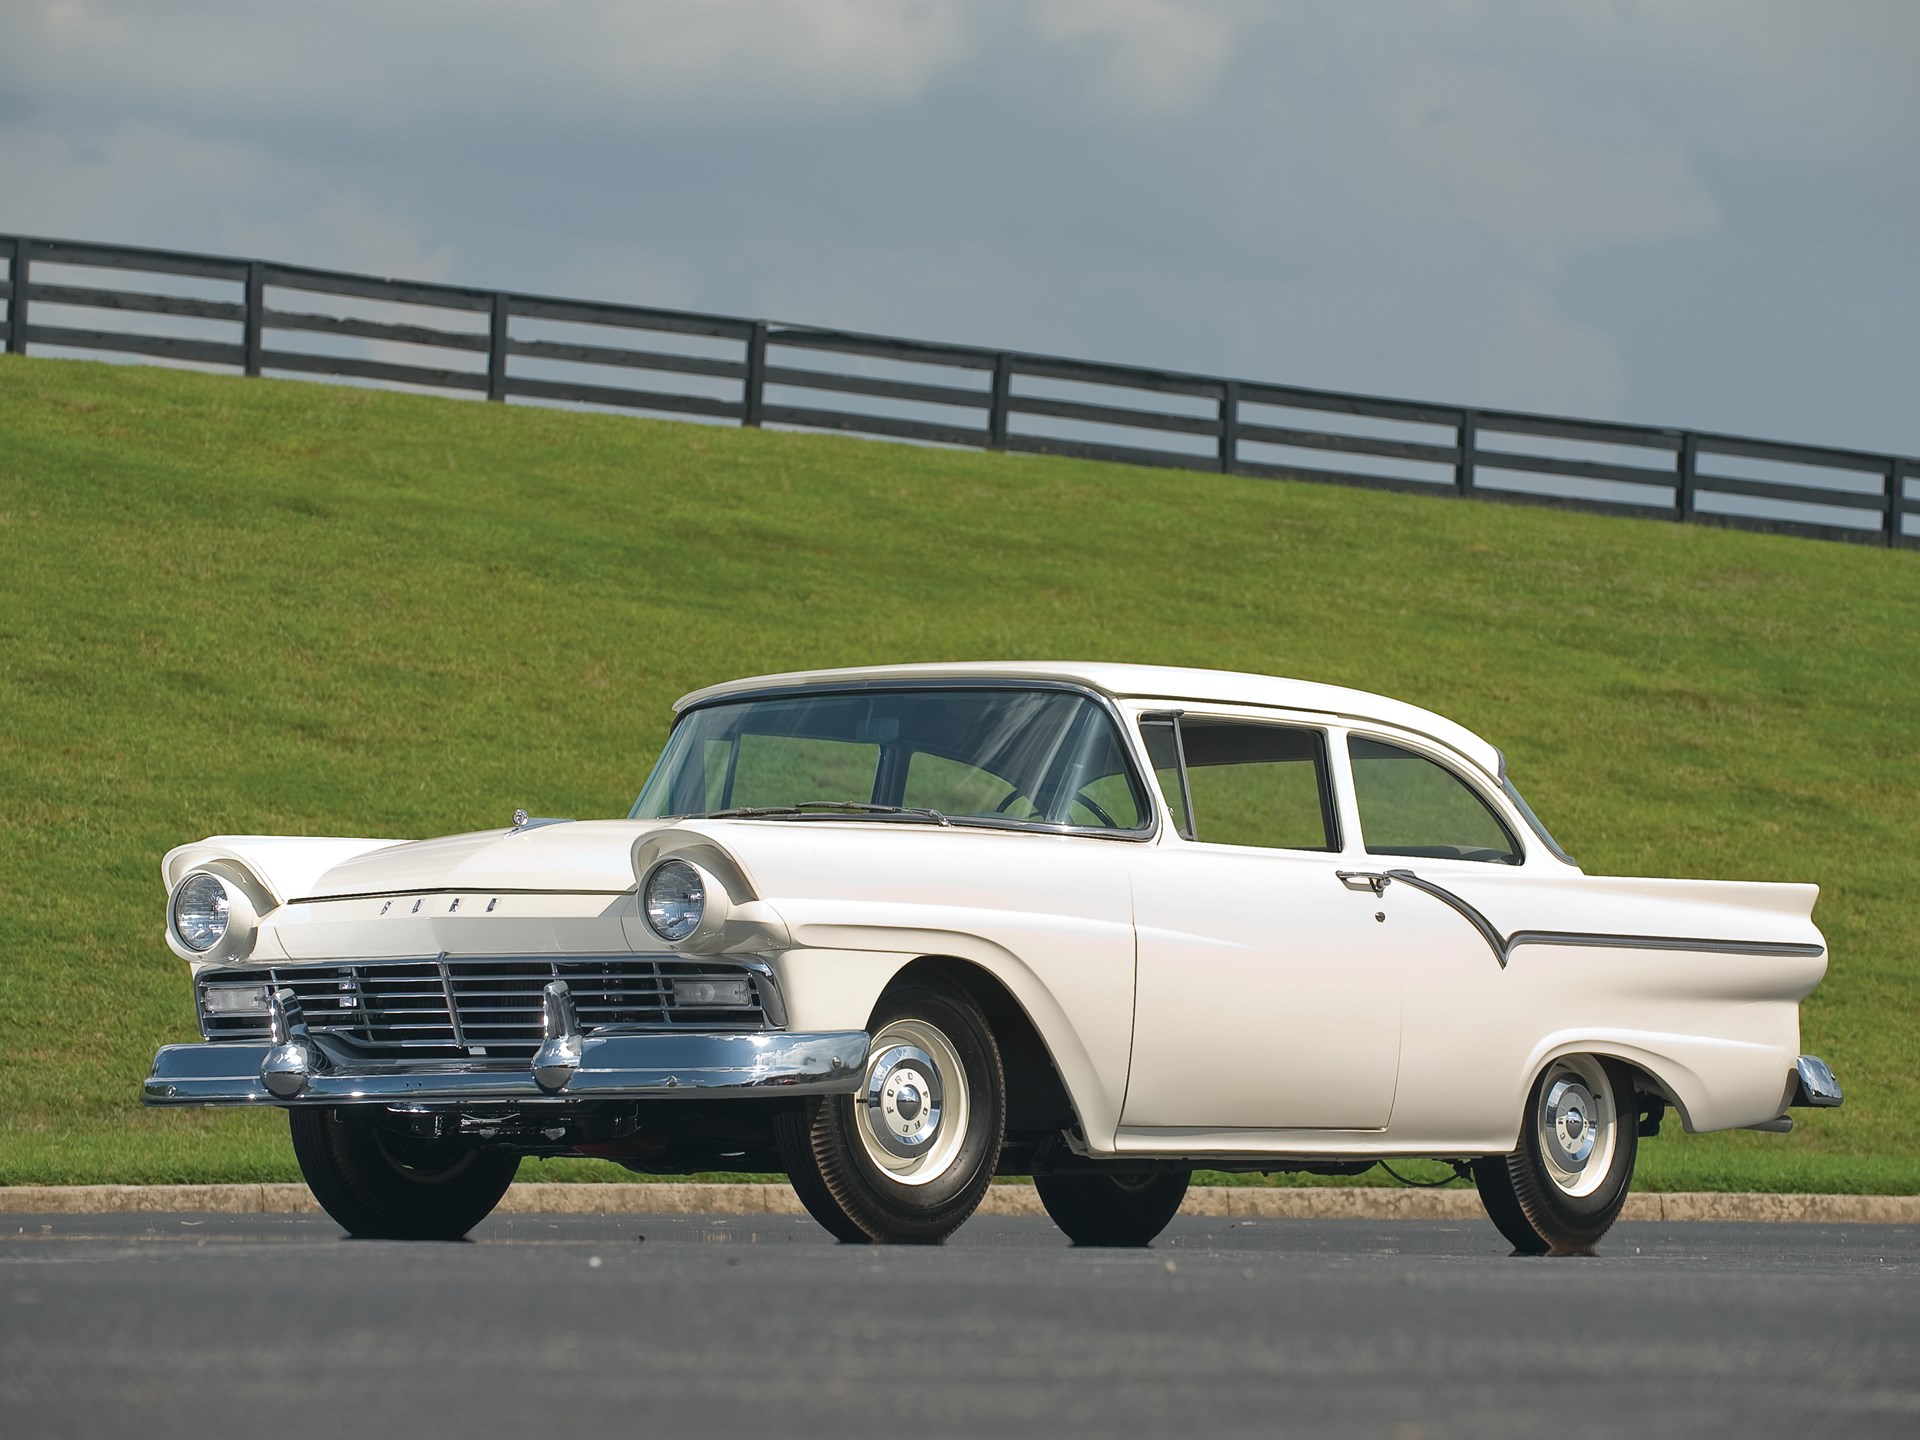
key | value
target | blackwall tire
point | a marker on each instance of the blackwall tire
(793, 1132)
(381, 1185)
(1120, 1211)
(1493, 1180)
(1561, 1190)
(909, 1157)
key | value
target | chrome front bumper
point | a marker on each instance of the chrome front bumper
(300, 1068)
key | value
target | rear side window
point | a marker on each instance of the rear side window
(1413, 806)
(1260, 785)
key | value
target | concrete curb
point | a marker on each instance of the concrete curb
(1248, 1202)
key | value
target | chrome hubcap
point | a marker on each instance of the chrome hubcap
(1576, 1124)
(903, 1100)
(1569, 1131)
(911, 1112)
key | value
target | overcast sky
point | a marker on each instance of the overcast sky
(1687, 212)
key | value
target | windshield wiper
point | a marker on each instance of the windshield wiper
(830, 807)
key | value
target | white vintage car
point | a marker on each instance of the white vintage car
(895, 931)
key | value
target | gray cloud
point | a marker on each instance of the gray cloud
(1694, 214)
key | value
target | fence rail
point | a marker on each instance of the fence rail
(260, 317)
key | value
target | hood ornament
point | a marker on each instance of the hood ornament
(519, 818)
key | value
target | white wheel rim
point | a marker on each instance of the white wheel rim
(1576, 1124)
(912, 1111)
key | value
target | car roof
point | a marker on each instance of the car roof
(1147, 682)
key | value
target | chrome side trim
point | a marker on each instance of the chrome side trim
(694, 1065)
(1500, 946)
(454, 890)
(1504, 946)
(1663, 942)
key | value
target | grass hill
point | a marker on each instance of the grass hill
(244, 605)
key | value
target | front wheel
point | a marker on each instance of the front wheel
(907, 1159)
(1115, 1210)
(379, 1184)
(1563, 1188)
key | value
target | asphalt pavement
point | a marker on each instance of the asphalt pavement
(238, 1325)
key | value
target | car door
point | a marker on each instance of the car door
(1454, 876)
(1268, 994)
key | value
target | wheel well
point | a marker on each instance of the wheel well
(1653, 1095)
(1038, 1105)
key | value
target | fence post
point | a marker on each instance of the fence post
(997, 401)
(1463, 467)
(250, 326)
(497, 348)
(753, 401)
(17, 298)
(1229, 426)
(1896, 494)
(1686, 473)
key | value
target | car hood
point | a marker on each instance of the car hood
(580, 856)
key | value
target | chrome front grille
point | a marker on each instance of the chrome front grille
(453, 1007)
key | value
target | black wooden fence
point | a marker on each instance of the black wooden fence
(209, 310)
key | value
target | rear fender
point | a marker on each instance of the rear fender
(1713, 1084)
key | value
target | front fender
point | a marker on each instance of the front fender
(840, 972)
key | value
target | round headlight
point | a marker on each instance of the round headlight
(675, 900)
(200, 905)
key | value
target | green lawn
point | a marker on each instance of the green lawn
(258, 606)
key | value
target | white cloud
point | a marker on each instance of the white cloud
(1532, 357)
(838, 51)
(380, 62)
(1449, 142)
(111, 185)
(81, 18)
(1144, 55)
(343, 231)
(1773, 69)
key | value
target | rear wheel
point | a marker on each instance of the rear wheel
(907, 1159)
(1115, 1210)
(379, 1184)
(1565, 1185)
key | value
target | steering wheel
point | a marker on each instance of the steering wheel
(1080, 798)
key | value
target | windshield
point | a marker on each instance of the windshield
(1010, 757)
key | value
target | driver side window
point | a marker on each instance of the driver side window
(1412, 806)
(1250, 783)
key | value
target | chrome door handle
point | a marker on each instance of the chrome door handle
(1364, 880)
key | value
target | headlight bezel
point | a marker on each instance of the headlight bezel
(235, 942)
(690, 906)
(715, 905)
(196, 914)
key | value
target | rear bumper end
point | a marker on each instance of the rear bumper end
(1814, 1085)
(1810, 1086)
